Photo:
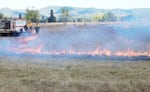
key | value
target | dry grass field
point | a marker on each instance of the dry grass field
(73, 75)
(25, 73)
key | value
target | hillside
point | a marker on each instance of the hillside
(80, 12)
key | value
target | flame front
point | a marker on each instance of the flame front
(39, 49)
(97, 52)
(94, 42)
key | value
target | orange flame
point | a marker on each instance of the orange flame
(27, 39)
(98, 51)
(28, 50)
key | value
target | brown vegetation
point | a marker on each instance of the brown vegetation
(73, 75)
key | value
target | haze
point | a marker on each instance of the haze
(105, 4)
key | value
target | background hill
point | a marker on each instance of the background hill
(140, 13)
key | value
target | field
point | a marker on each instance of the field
(77, 58)
(73, 75)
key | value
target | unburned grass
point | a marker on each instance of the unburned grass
(74, 75)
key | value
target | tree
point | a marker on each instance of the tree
(32, 15)
(52, 18)
(43, 19)
(1, 16)
(127, 18)
(80, 19)
(20, 16)
(65, 16)
(97, 17)
(109, 17)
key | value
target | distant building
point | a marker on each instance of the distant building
(52, 18)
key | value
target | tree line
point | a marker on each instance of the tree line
(2, 16)
(65, 16)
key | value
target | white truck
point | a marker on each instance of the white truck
(14, 27)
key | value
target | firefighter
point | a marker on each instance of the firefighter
(13, 26)
(37, 27)
(28, 26)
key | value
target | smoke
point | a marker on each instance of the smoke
(113, 39)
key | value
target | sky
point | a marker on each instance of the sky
(101, 4)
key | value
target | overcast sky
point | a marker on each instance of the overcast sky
(105, 4)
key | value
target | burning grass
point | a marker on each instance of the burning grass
(77, 58)
(73, 75)
(90, 39)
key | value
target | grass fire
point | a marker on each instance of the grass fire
(95, 40)
(79, 58)
(104, 48)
